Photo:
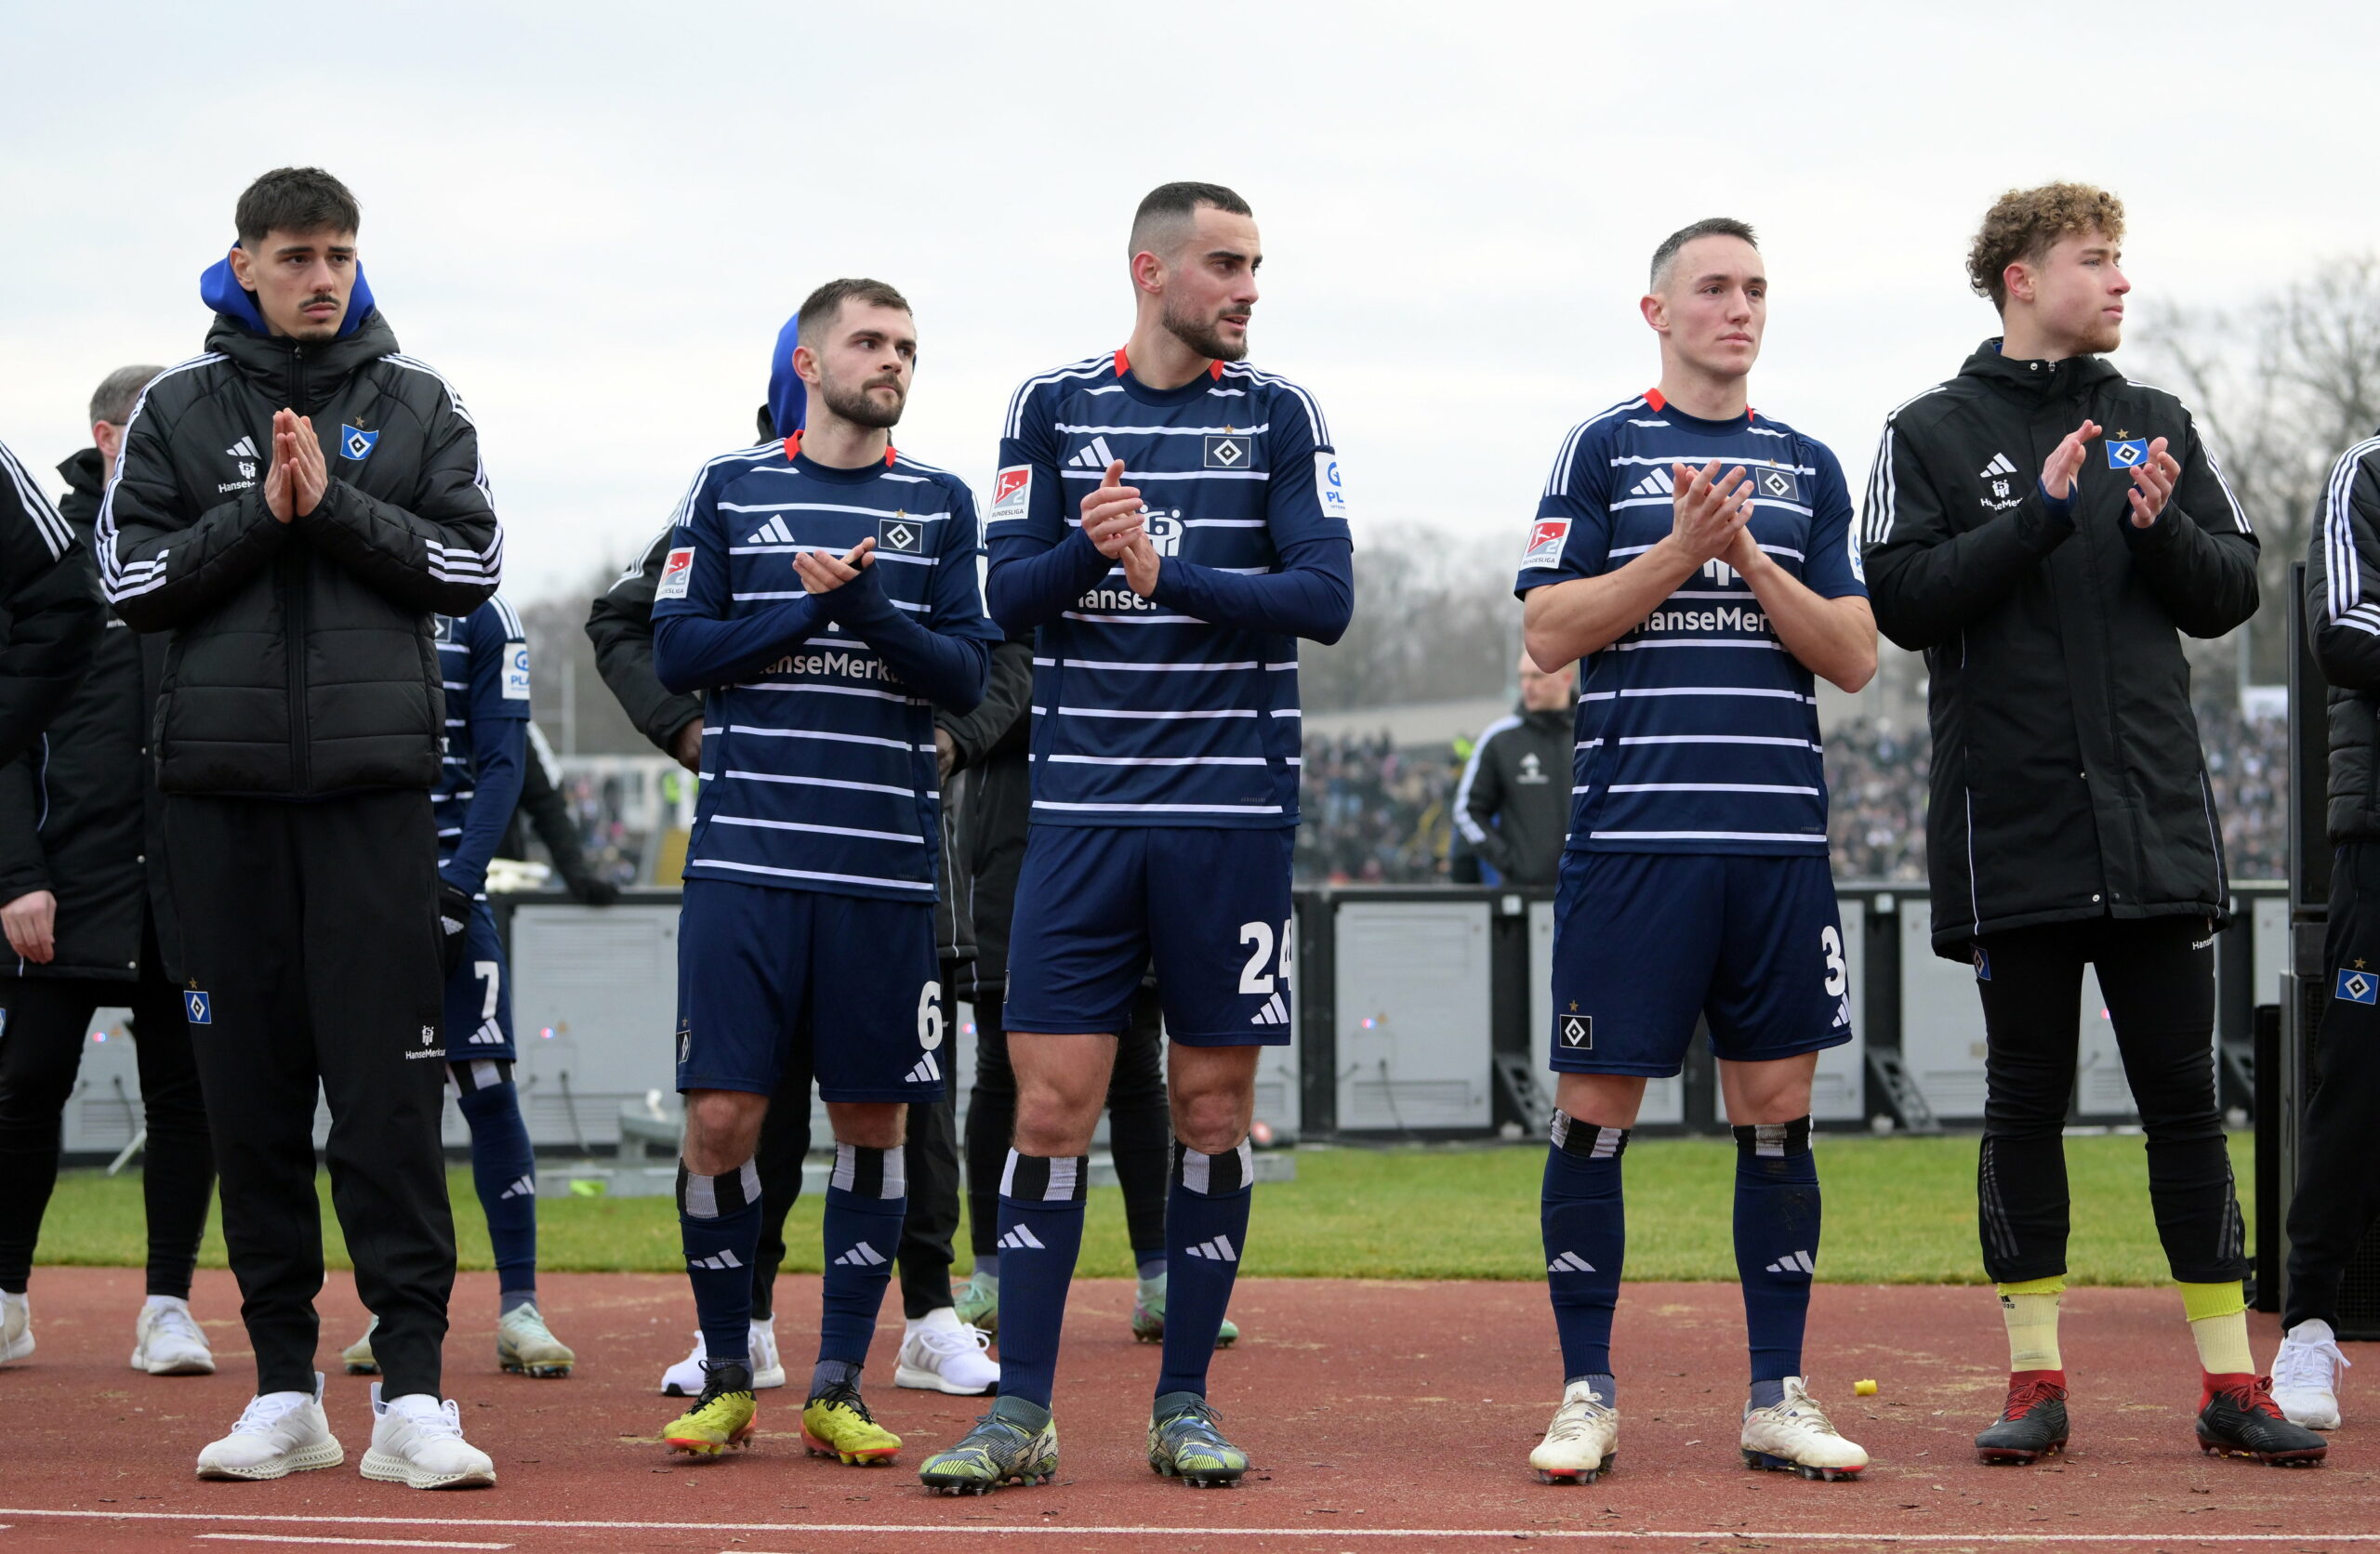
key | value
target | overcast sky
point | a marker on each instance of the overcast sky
(593, 217)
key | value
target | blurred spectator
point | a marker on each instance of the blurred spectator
(1373, 814)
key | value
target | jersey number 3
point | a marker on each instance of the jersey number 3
(1838, 975)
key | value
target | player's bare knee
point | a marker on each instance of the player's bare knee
(1600, 1099)
(1051, 1123)
(1212, 1122)
(722, 1128)
(868, 1124)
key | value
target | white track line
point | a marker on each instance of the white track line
(315, 1540)
(964, 1529)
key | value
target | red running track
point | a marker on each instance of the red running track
(1380, 1415)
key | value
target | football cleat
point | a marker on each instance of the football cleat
(721, 1417)
(1582, 1444)
(947, 1358)
(2305, 1375)
(279, 1433)
(2031, 1424)
(1149, 1316)
(1184, 1443)
(357, 1356)
(979, 1306)
(684, 1379)
(2237, 1417)
(16, 1326)
(1793, 1436)
(418, 1442)
(167, 1342)
(526, 1347)
(837, 1424)
(1015, 1443)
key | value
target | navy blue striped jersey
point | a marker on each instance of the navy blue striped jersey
(483, 665)
(1144, 715)
(818, 769)
(1697, 732)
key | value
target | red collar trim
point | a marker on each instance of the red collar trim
(1653, 397)
(1124, 364)
(793, 447)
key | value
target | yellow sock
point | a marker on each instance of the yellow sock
(2218, 1318)
(2030, 1308)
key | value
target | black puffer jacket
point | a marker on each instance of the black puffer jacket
(50, 612)
(301, 663)
(2068, 783)
(619, 623)
(2343, 628)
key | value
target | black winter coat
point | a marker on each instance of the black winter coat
(2343, 628)
(1513, 805)
(50, 611)
(2068, 782)
(73, 810)
(302, 661)
(619, 623)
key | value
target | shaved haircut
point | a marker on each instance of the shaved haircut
(1665, 257)
(1162, 224)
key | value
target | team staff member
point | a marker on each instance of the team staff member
(823, 592)
(2338, 1180)
(52, 617)
(81, 934)
(1164, 789)
(1513, 805)
(2044, 530)
(1695, 879)
(295, 506)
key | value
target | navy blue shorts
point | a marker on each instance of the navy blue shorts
(1644, 941)
(1096, 903)
(850, 978)
(479, 995)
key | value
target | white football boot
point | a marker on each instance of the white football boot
(684, 1379)
(418, 1442)
(2307, 1373)
(1793, 1435)
(1582, 1444)
(278, 1434)
(166, 1342)
(939, 1353)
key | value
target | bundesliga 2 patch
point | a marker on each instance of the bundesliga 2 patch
(2130, 454)
(1012, 491)
(901, 534)
(354, 442)
(1546, 537)
(1777, 485)
(676, 571)
(516, 671)
(2360, 987)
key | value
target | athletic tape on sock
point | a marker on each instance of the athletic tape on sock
(872, 1173)
(1573, 1137)
(1045, 1178)
(1214, 1176)
(1774, 1140)
(704, 1197)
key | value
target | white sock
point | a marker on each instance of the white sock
(166, 1303)
(941, 1318)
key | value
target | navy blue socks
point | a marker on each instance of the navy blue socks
(1586, 1237)
(1041, 1207)
(866, 1200)
(718, 1222)
(1777, 1246)
(504, 1170)
(1206, 1227)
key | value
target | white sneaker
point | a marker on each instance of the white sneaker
(684, 1379)
(279, 1433)
(16, 1326)
(167, 1342)
(1582, 1444)
(2307, 1373)
(1793, 1436)
(939, 1353)
(417, 1441)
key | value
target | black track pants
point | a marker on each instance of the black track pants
(2338, 1175)
(2158, 977)
(1139, 1123)
(312, 929)
(47, 1019)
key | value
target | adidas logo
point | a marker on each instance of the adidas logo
(1218, 1249)
(1022, 1239)
(489, 1033)
(772, 532)
(244, 448)
(1275, 1012)
(1570, 1262)
(1794, 1262)
(861, 1256)
(719, 1260)
(928, 1071)
(1657, 483)
(2001, 465)
(1842, 1014)
(525, 1188)
(1096, 456)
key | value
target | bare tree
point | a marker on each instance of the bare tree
(570, 700)
(1435, 620)
(2282, 384)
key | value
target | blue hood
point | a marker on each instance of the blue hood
(220, 290)
(788, 400)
